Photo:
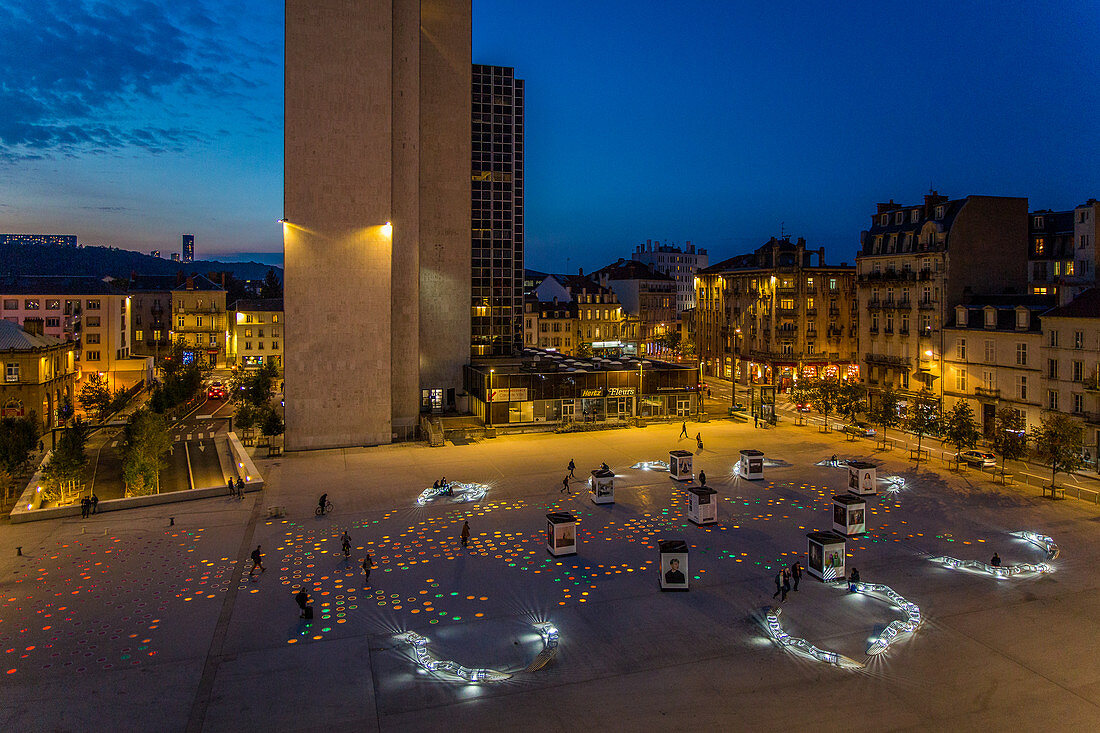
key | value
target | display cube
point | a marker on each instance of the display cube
(862, 478)
(825, 555)
(752, 464)
(702, 505)
(561, 534)
(674, 564)
(849, 514)
(601, 486)
(679, 465)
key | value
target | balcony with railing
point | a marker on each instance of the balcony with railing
(991, 393)
(925, 333)
(886, 359)
(926, 304)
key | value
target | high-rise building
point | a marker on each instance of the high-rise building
(376, 207)
(680, 264)
(154, 253)
(496, 292)
(175, 257)
(188, 248)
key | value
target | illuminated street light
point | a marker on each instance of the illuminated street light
(387, 229)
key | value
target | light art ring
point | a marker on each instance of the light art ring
(651, 465)
(463, 493)
(1046, 543)
(547, 631)
(878, 646)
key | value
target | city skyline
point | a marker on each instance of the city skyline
(777, 123)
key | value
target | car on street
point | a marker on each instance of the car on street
(216, 391)
(802, 407)
(978, 459)
(860, 429)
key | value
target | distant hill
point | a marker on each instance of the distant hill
(39, 259)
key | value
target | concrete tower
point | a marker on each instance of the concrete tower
(376, 202)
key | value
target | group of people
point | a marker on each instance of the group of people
(88, 505)
(443, 487)
(236, 489)
(784, 580)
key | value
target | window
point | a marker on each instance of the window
(11, 304)
(1078, 402)
(874, 322)
(260, 346)
(1078, 371)
(1052, 338)
(787, 348)
(939, 212)
(275, 345)
(1040, 245)
(960, 380)
(31, 304)
(180, 322)
(810, 348)
(213, 340)
(248, 332)
(92, 338)
(1052, 399)
(960, 349)
(989, 379)
(11, 371)
(786, 304)
(53, 305)
(138, 336)
(884, 219)
(248, 345)
(990, 351)
(1021, 387)
(1069, 269)
(274, 317)
(809, 283)
(905, 380)
(198, 321)
(1078, 339)
(809, 304)
(899, 218)
(53, 323)
(1037, 222)
(1021, 354)
(92, 305)
(832, 283)
(905, 323)
(92, 321)
(91, 356)
(1052, 368)
(156, 334)
(926, 323)
(914, 216)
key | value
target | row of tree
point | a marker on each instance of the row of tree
(1057, 441)
(253, 391)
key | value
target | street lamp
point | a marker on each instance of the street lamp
(489, 399)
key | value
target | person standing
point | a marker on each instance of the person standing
(684, 430)
(85, 505)
(345, 544)
(368, 563)
(232, 487)
(302, 599)
(786, 585)
(995, 561)
(796, 574)
(240, 488)
(572, 467)
(95, 503)
(778, 584)
(257, 561)
(465, 533)
(702, 478)
(699, 440)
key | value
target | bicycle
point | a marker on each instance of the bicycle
(327, 509)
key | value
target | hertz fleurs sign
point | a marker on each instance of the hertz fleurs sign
(610, 392)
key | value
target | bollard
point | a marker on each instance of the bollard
(104, 533)
(171, 521)
(19, 550)
(83, 530)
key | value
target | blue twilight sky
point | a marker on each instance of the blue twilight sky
(130, 122)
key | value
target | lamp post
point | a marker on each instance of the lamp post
(638, 397)
(489, 399)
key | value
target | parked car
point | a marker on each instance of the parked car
(216, 391)
(860, 429)
(978, 459)
(802, 407)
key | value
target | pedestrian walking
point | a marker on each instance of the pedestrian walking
(572, 467)
(321, 503)
(708, 392)
(702, 478)
(368, 563)
(778, 584)
(345, 544)
(699, 440)
(796, 574)
(232, 487)
(302, 599)
(684, 430)
(95, 503)
(85, 505)
(565, 486)
(786, 585)
(465, 533)
(257, 561)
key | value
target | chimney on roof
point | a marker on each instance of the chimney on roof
(555, 300)
(580, 271)
(223, 279)
(820, 256)
(190, 283)
(690, 247)
(33, 326)
(180, 277)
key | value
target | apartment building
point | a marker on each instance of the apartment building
(551, 325)
(992, 358)
(1062, 253)
(597, 317)
(680, 264)
(773, 315)
(92, 313)
(916, 263)
(646, 295)
(255, 333)
(185, 308)
(1070, 360)
(40, 372)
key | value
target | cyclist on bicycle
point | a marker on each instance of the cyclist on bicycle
(322, 502)
(345, 543)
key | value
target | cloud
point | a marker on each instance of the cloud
(92, 76)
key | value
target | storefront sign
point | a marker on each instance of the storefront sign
(620, 391)
(516, 394)
(688, 388)
(591, 393)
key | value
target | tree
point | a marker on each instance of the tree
(801, 393)
(584, 349)
(272, 286)
(6, 482)
(923, 418)
(65, 410)
(826, 396)
(146, 441)
(1009, 438)
(18, 437)
(1058, 442)
(960, 429)
(884, 412)
(852, 400)
(68, 459)
(95, 396)
(271, 424)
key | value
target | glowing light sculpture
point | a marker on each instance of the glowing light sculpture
(1041, 540)
(462, 493)
(419, 643)
(782, 638)
(651, 465)
(896, 628)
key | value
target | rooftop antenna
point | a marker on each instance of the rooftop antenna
(782, 230)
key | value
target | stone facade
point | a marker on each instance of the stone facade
(39, 374)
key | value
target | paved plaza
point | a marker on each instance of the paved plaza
(131, 621)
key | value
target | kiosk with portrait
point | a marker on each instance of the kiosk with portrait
(825, 555)
(561, 534)
(702, 505)
(752, 465)
(679, 465)
(849, 514)
(862, 478)
(674, 564)
(601, 486)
